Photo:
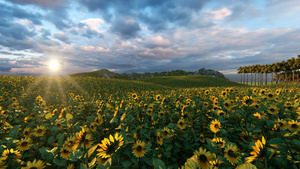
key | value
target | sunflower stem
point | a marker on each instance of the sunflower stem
(289, 148)
(266, 162)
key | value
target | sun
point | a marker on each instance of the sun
(53, 65)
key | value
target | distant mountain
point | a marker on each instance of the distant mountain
(135, 76)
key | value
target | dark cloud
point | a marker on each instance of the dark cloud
(9, 13)
(43, 3)
(92, 34)
(60, 19)
(62, 37)
(125, 26)
(4, 65)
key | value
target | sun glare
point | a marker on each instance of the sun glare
(53, 65)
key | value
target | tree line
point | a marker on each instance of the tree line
(284, 71)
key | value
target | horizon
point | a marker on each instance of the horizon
(67, 37)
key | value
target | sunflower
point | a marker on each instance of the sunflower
(181, 124)
(215, 126)
(64, 153)
(103, 161)
(35, 165)
(219, 142)
(2, 162)
(294, 125)
(259, 150)
(99, 120)
(159, 139)
(71, 166)
(87, 141)
(81, 136)
(202, 138)
(257, 115)
(11, 154)
(166, 132)
(270, 96)
(246, 136)
(228, 104)
(273, 109)
(70, 144)
(282, 123)
(248, 100)
(15, 105)
(204, 158)
(93, 126)
(246, 166)
(110, 146)
(24, 144)
(27, 132)
(139, 149)
(59, 125)
(231, 154)
(39, 131)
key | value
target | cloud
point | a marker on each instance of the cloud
(62, 37)
(125, 26)
(42, 3)
(157, 41)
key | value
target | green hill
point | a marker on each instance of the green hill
(190, 81)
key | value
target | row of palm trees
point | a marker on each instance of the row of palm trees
(285, 71)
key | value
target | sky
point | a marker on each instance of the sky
(145, 35)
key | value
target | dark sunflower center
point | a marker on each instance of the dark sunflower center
(270, 95)
(294, 126)
(281, 124)
(165, 133)
(202, 158)
(231, 153)
(111, 148)
(24, 143)
(272, 109)
(139, 148)
(249, 101)
(66, 151)
(216, 126)
(39, 130)
(181, 124)
(226, 105)
(26, 133)
(33, 168)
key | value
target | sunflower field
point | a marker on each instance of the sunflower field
(88, 122)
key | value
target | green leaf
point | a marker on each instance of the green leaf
(171, 125)
(60, 162)
(145, 132)
(76, 155)
(296, 142)
(126, 163)
(50, 140)
(54, 129)
(158, 163)
(148, 146)
(278, 141)
(46, 154)
(14, 132)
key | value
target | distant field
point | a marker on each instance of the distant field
(190, 81)
(160, 122)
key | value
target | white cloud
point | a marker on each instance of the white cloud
(219, 14)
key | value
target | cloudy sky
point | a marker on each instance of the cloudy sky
(145, 35)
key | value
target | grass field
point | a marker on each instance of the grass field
(161, 122)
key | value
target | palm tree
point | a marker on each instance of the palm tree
(256, 70)
(240, 71)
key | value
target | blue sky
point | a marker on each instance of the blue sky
(145, 36)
